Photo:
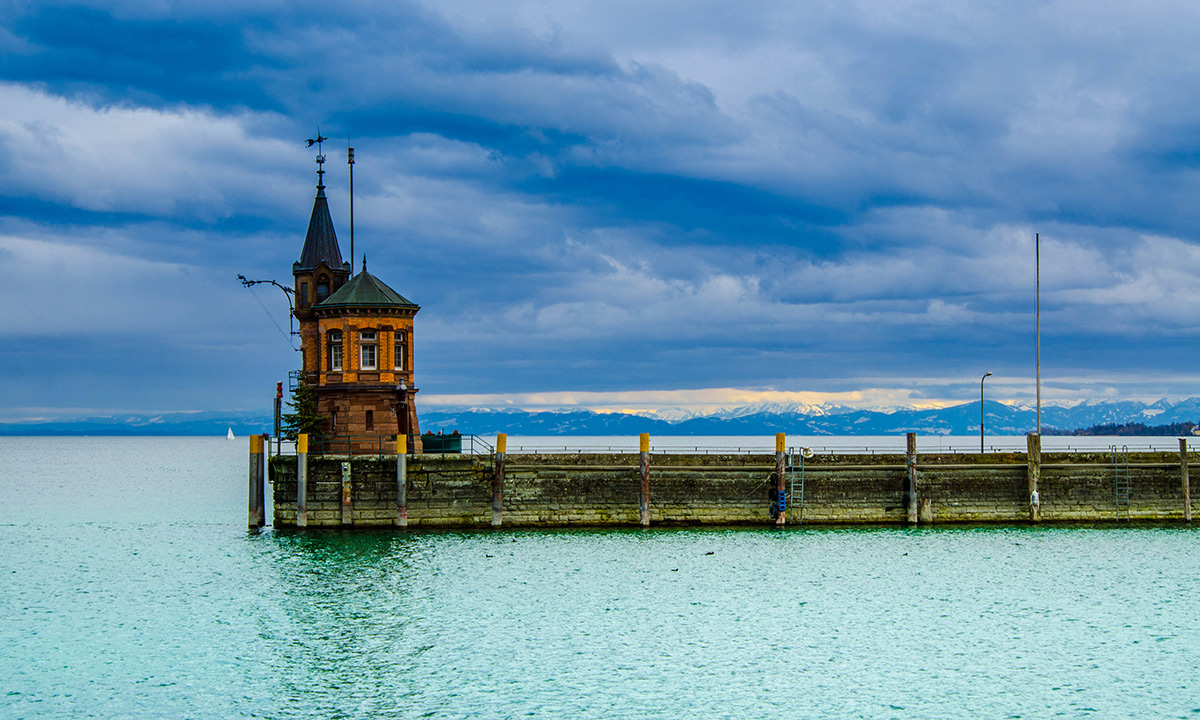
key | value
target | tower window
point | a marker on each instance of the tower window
(302, 301)
(322, 288)
(335, 350)
(368, 350)
(401, 351)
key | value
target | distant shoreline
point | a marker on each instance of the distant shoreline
(1104, 418)
(1184, 429)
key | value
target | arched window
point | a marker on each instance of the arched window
(322, 287)
(368, 350)
(401, 352)
(335, 350)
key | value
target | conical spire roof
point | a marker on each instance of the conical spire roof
(320, 244)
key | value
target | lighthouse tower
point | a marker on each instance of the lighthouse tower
(356, 336)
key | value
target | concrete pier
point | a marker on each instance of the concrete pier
(538, 489)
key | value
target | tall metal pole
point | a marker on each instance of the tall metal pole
(350, 162)
(985, 377)
(278, 416)
(1037, 254)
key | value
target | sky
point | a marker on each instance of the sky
(612, 205)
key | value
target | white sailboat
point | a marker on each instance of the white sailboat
(230, 435)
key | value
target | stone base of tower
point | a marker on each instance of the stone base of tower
(367, 418)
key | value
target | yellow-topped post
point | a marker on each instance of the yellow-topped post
(402, 481)
(1187, 486)
(347, 494)
(262, 485)
(302, 480)
(780, 493)
(257, 513)
(644, 503)
(1033, 471)
(910, 477)
(498, 480)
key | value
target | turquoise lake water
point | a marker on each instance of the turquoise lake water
(129, 588)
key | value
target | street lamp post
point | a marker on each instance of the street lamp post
(402, 419)
(985, 377)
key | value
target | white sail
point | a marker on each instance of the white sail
(230, 435)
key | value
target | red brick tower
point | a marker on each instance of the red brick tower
(356, 336)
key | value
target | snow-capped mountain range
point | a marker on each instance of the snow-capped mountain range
(806, 419)
(796, 419)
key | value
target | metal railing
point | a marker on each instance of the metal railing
(351, 445)
(377, 445)
(632, 447)
(926, 445)
(452, 444)
(442, 444)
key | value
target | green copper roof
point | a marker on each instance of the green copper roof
(365, 290)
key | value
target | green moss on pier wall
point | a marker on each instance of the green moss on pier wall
(545, 490)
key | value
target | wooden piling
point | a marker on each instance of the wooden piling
(910, 478)
(644, 504)
(347, 506)
(1033, 471)
(401, 481)
(262, 482)
(1187, 485)
(302, 480)
(780, 487)
(257, 511)
(498, 480)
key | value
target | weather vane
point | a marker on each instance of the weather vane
(320, 155)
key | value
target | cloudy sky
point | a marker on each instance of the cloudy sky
(609, 204)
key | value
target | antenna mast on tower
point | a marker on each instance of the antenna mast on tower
(350, 162)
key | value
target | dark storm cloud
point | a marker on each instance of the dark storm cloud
(138, 61)
(615, 195)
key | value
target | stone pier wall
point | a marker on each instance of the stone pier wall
(548, 490)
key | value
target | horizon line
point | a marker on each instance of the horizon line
(663, 403)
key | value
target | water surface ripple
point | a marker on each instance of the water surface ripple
(130, 589)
